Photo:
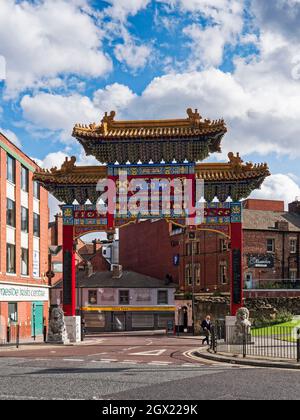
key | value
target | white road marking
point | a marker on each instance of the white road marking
(160, 363)
(129, 362)
(97, 354)
(73, 360)
(150, 353)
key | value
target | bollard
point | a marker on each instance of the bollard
(45, 333)
(18, 336)
(8, 334)
(298, 345)
(244, 342)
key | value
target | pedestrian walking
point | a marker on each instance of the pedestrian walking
(206, 326)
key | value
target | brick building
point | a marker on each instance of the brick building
(24, 292)
(89, 256)
(271, 254)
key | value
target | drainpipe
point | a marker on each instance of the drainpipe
(283, 255)
(298, 257)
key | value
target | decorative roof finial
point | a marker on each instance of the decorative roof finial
(194, 117)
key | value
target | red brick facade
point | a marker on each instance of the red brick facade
(264, 205)
(156, 249)
(36, 246)
(87, 253)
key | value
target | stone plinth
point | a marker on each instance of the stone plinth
(73, 328)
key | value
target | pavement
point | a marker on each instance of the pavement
(153, 368)
(255, 361)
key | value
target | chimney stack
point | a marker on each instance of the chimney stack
(89, 269)
(97, 245)
(294, 207)
(117, 271)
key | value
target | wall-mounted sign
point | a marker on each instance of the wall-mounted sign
(176, 259)
(14, 293)
(260, 261)
(36, 264)
(237, 276)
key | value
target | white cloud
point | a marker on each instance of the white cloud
(2, 68)
(10, 135)
(280, 16)
(278, 187)
(59, 113)
(42, 40)
(121, 9)
(113, 97)
(225, 18)
(133, 55)
(53, 207)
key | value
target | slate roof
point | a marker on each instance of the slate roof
(129, 279)
(266, 220)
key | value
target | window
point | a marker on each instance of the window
(10, 213)
(196, 248)
(223, 245)
(192, 247)
(188, 275)
(12, 312)
(293, 246)
(24, 178)
(293, 275)
(223, 273)
(10, 169)
(92, 297)
(24, 220)
(36, 225)
(271, 245)
(188, 250)
(162, 297)
(36, 190)
(124, 297)
(24, 262)
(10, 259)
(197, 274)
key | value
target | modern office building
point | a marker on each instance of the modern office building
(24, 292)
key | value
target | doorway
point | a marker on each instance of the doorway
(37, 313)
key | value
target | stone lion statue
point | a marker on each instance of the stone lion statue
(57, 328)
(242, 326)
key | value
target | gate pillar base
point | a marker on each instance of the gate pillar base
(73, 328)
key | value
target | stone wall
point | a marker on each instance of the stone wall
(219, 307)
(216, 307)
(268, 307)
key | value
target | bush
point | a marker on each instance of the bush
(281, 317)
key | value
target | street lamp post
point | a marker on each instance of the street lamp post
(192, 238)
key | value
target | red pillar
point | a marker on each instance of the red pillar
(236, 268)
(69, 272)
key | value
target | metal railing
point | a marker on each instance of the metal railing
(275, 342)
(273, 284)
(16, 334)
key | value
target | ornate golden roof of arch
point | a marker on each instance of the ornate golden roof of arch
(234, 170)
(193, 125)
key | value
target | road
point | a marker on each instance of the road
(134, 368)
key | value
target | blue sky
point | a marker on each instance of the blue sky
(64, 62)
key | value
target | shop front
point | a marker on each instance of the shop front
(23, 308)
(118, 318)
